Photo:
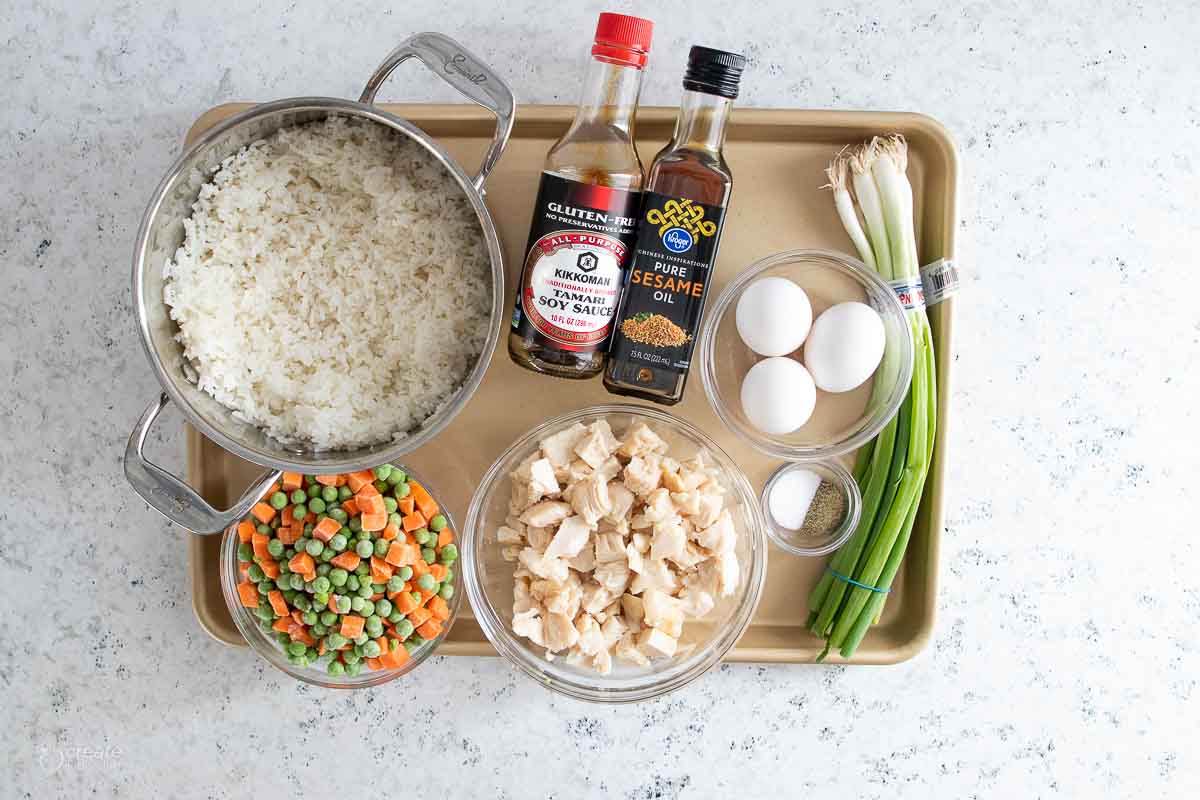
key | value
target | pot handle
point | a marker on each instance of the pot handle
(458, 67)
(173, 498)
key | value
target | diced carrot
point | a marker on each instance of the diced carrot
(372, 663)
(382, 567)
(413, 521)
(376, 596)
(405, 602)
(278, 604)
(287, 534)
(245, 530)
(419, 616)
(352, 626)
(390, 659)
(350, 506)
(395, 554)
(430, 629)
(438, 571)
(425, 502)
(259, 542)
(310, 517)
(347, 560)
(375, 521)
(390, 532)
(419, 567)
(244, 570)
(383, 645)
(326, 528)
(282, 624)
(366, 490)
(285, 516)
(263, 512)
(445, 537)
(272, 489)
(438, 607)
(371, 504)
(270, 568)
(426, 595)
(292, 480)
(327, 480)
(302, 563)
(297, 616)
(248, 594)
(299, 633)
(356, 480)
(342, 480)
(333, 604)
(406, 504)
(321, 647)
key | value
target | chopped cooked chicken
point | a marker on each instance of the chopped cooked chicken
(559, 447)
(662, 611)
(669, 540)
(640, 440)
(590, 499)
(643, 474)
(627, 650)
(529, 624)
(547, 512)
(554, 569)
(573, 533)
(656, 643)
(719, 537)
(616, 544)
(506, 535)
(558, 632)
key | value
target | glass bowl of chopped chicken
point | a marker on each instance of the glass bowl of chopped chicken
(614, 553)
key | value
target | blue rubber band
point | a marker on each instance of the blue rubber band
(853, 582)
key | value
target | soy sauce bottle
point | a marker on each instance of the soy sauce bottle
(585, 217)
(683, 211)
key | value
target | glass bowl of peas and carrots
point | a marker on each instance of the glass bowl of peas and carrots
(345, 580)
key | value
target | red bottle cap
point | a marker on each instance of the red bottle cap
(621, 39)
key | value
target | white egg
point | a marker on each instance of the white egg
(773, 316)
(778, 395)
(844, 347)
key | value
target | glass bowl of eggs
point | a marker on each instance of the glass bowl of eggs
(806, 355)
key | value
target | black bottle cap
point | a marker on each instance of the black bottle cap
(714, 71)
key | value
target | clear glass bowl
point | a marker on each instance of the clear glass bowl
(489, 578)
(265, 646)
(792, 541)
(840, 422)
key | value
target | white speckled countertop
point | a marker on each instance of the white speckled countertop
(1065, 661)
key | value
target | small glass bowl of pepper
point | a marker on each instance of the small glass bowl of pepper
(811, 507)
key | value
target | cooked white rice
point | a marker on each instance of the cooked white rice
(333, 287)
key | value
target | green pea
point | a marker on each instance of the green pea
(353, 670)
(361, 570)
(381, 547)
(266, 587)
(381, 486)
(245, 552)
(361, 639)
(300, 544)
(289, 554)
(362, 536)
(429, 555)
(308, 529)
(374, 627)
(426, 582)
(323, 570)
(312, 654)
(350, 656)
(299, 496)
(314, 547)
(344, 493)
(383, 607)
(275, 548)
(289, 595)
(296, 581)
(318, 629)
(395, 616)
(368, 608)
(416, 596)
(321, 599)
(355, 524)
(328, 618)
(334, 640)
(255, 573)
(371, 648)
(322, 584)
(314, 490)
(382, 471)
(338, 576)
(282, 638)
(278, 501)
(402, 491)
(449, 574)
(339, 515)
(422, 536)
(404, 573)
(449, 554)
(389, 503)
(343, 604)
(365, 590)
(404, 628)
(378, 588)
(396, 519)
(299, 511)
(395, 476)
(437, 523)
(309, 617)
(447, 591)
(316, 505)
(264, 612)
(352, 583)
(411, 644)
(336, 667)
(364, 549)
(356, 605)
(265, 530)
(297, 648)
(283, 583)
(303, 603)
(337, 542)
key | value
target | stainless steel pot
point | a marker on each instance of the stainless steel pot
(162, 232)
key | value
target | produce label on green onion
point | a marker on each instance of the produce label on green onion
(940, 281)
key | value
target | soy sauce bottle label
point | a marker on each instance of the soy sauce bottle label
(664, 293)
(579, 245)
